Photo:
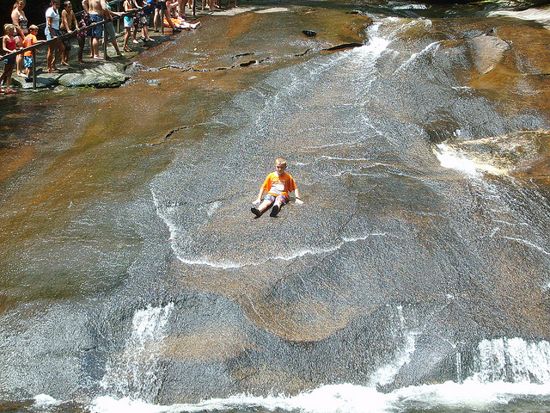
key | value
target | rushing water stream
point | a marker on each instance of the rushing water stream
(414, 277)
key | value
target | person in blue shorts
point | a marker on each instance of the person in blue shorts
(95, 14)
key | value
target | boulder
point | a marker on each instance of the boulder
(42, 81)
(104, 75)
(487, 51)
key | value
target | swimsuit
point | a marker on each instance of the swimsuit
(10, 44)
(97, 31)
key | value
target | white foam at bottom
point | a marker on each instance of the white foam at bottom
(349, 398)
(44, 400)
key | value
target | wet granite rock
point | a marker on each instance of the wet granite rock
(487, 52)
(42, 81)
(134, 68)
(102, 76)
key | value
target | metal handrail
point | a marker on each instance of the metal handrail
(41, 44)
(116, 18)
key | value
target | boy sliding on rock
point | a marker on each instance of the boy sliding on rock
(276, 187)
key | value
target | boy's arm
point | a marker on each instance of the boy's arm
(260, 195)
(298, 199)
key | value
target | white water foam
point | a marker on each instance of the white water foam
(347, 398)
(272, 10)
(367, 55)
(512, 359)
(43, 401)
(336, 158)
(429, 49)
(528, 243)
(134, 372)
(387, 373)
(452, 158)
(412, 6)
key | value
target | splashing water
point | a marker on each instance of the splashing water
(134, 373)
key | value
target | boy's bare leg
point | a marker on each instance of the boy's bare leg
(258, 211)
(276, 208)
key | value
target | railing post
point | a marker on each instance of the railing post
(194, 8)
(118, 17)
(33, 68)
(105, 39)
(162, 19)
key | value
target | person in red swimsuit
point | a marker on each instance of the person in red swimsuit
(276, 191)
(8, 46)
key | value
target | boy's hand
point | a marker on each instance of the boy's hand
(298, 201)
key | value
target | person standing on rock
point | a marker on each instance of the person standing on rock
(8, 46)
(30, 39)
(276, 191)
(52, 33)
(19, 20)
(129, 6)
(109, 26)
(68, 25)
(95, 13)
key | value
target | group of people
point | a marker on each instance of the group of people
(17, 34)
(97, 16)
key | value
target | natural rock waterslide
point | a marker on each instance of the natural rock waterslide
(132, 267)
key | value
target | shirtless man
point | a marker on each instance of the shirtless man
(96, 12)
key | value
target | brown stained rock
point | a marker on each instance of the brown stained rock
(539, 167)
(304, 320)
(13, 159)
(239, 26)
(520, 79)
(334, 27)
(215, 345)
(487, 52)
(301, 321)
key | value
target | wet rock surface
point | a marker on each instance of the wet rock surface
(488, 51)
(105, 75)
(392, 268)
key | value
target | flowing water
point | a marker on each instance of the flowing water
(414, 278)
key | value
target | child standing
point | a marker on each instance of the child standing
(276, 187)
(30, 39)
(8, 46)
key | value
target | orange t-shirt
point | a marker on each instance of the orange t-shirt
(279, 185)
(30, 39)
